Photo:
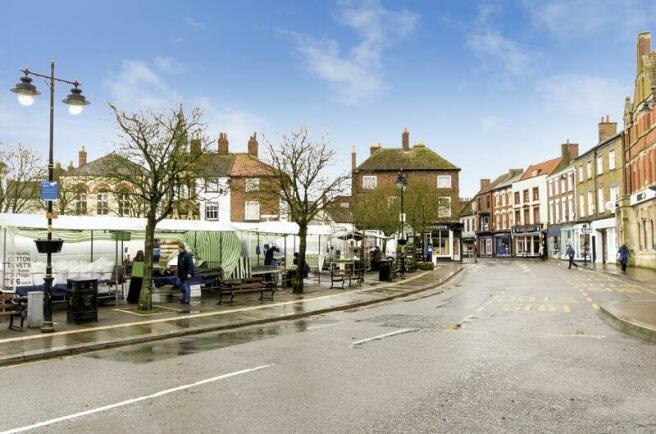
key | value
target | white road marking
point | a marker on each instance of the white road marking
(386, 335)
(131, 401)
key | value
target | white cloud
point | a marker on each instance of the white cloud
(582, 94)
(357, 73)
(137, 85)
(573, 18)
(168, 64)
(489, 44)
(194, 23)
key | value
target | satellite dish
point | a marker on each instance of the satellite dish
(610, 206)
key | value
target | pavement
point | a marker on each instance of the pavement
(636, 313)
(122, 325)
(505, 346)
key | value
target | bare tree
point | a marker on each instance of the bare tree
(162, 173)
(21, 169)
(300, 180)
(377, 209)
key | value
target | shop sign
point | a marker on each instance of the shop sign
(526, 229)
(19, 270)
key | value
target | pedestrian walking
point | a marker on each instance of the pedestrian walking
(623, 255)
(570, 254)
(185, 272)
(136, 278)
(475, 253)
(541, 251)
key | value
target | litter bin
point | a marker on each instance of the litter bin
(82, 296)
(385, 270)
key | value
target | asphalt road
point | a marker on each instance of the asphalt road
(510, 346)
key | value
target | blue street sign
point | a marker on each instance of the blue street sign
(49, 190)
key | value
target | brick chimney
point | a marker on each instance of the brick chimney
(253, 145)
(643, 48)
(569, 151)
(607, 128)
(354, 163)
(405, 140)
(374, 148)
(223, 143)
(485, 184)
(82, 157)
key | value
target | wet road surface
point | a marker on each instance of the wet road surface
(510, 346)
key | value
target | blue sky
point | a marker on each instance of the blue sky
(488, 85)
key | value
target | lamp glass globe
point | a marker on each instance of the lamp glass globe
(75, 109)
(25, 100)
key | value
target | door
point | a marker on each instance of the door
(604, 246)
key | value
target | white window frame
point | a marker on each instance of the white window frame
(614, 193)
(252, 215)
(213, 208)
(252, 185)
(588, 167)
(600, 164)
(441, 181)
(102, 202)
(611, 159)
(369, 182)
(591, 207)
(213, 185)
(581, 173)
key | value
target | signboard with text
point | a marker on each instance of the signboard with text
(19, 270)
(49, 190)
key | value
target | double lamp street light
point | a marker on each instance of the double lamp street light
(26, 91)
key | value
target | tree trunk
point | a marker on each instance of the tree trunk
(297, 285)
(145, 297)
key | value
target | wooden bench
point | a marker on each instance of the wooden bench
(11, 308)
(247, 284)
(342, 276)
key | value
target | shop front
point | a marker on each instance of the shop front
(502, 244)
(604, 241)
(526, 240)
(553, 241)
(446, 240)
(567, 238)
(485, 244)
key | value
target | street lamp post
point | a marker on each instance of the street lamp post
(26, 92)
(402, 183)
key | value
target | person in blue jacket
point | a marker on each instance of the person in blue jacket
(185, 272)
(623, 255)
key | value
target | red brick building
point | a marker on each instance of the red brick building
(419, 164)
